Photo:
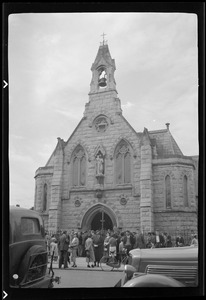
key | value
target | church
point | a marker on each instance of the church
(108, 175)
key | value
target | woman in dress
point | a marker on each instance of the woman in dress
(106, 244)
(89, 251)
(74, 246)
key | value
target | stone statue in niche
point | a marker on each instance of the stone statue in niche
(99, 165)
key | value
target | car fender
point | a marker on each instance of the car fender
(152, 280)
(36, 249)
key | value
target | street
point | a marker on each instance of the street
(85, 277)
(73, 278)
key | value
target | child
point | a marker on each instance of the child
(54, 249)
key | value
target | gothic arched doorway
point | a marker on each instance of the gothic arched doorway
(101, 221)
(96, 216)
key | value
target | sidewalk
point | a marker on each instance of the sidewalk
(82, 265)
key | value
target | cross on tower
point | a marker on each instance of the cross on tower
(103, 35)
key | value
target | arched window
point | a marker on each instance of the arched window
(83, 170)
(45, 198)
(123, 163)
(79, 167)
(185, 191)
(168, 192)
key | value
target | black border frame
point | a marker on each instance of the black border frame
(197, 8)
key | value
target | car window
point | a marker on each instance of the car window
(30, 226)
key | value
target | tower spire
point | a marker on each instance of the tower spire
(103, 70)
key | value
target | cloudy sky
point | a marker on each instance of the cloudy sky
(50, 56)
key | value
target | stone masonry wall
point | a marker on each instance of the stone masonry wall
(127, 215)
(86, 135)
(40, 182)
(178, 216)
(184, 223)
(56, 189)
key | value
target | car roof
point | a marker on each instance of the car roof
(19, 211)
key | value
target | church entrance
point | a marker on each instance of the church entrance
(99, 217)
(101, 221)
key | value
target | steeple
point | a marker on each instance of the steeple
(103, 71)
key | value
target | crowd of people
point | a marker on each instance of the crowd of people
(66, 246)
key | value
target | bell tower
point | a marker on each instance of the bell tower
(103, 70)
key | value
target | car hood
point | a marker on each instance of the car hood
(161, 255)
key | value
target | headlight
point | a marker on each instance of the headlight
(129, 271)
(15, 276)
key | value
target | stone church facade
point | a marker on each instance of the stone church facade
(108, 175)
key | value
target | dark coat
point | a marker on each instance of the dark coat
(169, 241)
(63, 242)
(98, 243)
(179, 241)
(131, 238)
(139, 241)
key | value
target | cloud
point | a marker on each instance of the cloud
(46, 150)
(127, 105)
(13, 156)
(70, 115)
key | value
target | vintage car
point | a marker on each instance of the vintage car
(175, 266)
(28, 259)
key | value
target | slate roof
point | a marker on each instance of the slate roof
(165, 143)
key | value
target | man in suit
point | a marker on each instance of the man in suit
(63, 248)
(128, 241)
(139, 240)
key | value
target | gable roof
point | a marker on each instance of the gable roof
(165, 143)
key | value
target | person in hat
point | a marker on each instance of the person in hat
(98, 243)
(63, 248)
